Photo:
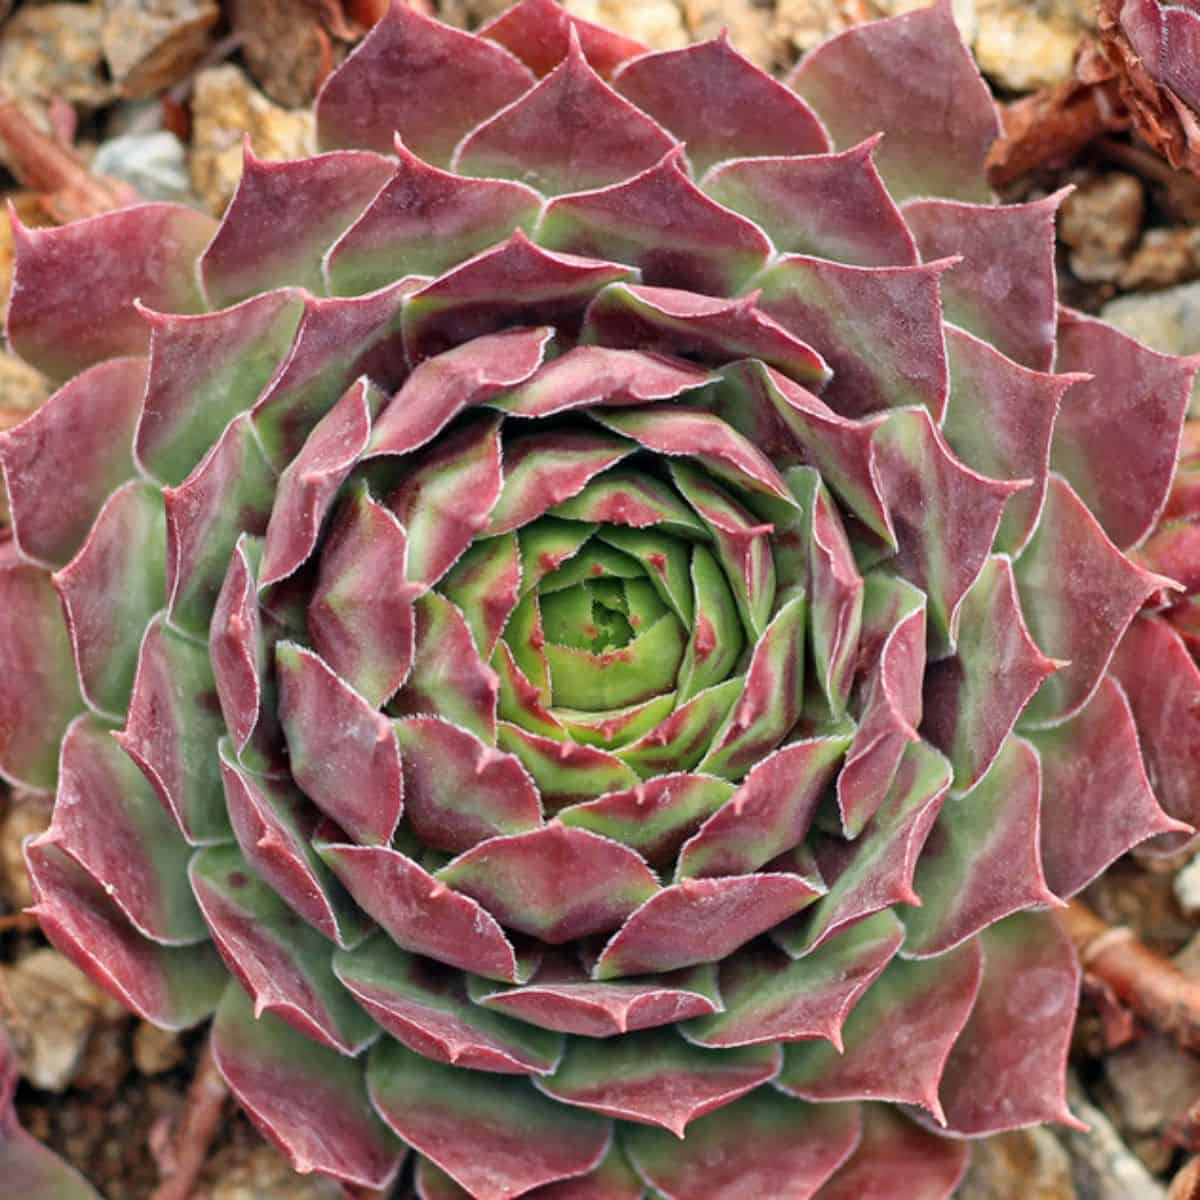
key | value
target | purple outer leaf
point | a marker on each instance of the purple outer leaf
(274, 826)
(494, 1134)
(459, 791)
(1008, 1068)
(828, 205)
(1004, 290)
(764, 1145)
(656, 1078)
(479, 297)
(228, 495)
(360, 617)
(1162, 684)
(39, 694)
(839, 309)
(1117, 437)
(420, 913)
(568, 133)
(282, 219)
(720, 104)
(438, 83)
(426, 221)
(438, 390)
(172, 730)
(661, 223)
(701, 920)
(1095, 779)
(892, 1149)
(425, 1007)
(204, 371)
(59, 465)
(897, 1039)
(701, 327)
(311, 481)
(147, 252)
(769, 997)
(982, 860)
(562, 997)
(556, 883)
(538, 32)
(173, 987)
(108, 819)
(972, 700)
(999, 420)
(333, 736)
(28, 1168)
(926, 95)
(1078, 593)
(306, 1098)
(111, 589)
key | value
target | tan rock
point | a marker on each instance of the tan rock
(261, 1173)
(751, 29)
(151, 44)
(51, 1009)
(224, 105)
(28, 814)
(804, 23)
(55, 50)
(1029, 1164)
(1025, 46)
(156, 1050)
(1101, 223)
(658, 23)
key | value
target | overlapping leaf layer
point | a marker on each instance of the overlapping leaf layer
(604, 600)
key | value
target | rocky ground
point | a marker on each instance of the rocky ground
(113, 98)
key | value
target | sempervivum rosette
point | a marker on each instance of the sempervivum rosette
(1155, 48)
(597, 619)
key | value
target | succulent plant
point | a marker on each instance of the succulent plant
(604, 601)
(1154, 48)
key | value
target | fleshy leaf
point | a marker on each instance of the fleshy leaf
(440, 83)
(360, 617)
(769, 813)
(972, 700)
(174, 987)
(925, 94)
(484, 585)
(1004, 290)
(335, 736)
(144, 253)
(1117, 436)
(701, 920)
(680, 741)
(897, 1038)
(423, 222)
(172, 731)
(562, 997)
(893, 1148)
(764, 1145)
(39, 694)
(1095, 779)
(717, 634)
(843, 310)
(494, 1134)
(569, 132)
(425, 1006)
(831, 206)
(420, 913)
(770, 997)
(982, 860)
(282, 219)
(720, 104)
(61, 464)
(556, 883)
(1007, 1069)
(309, 1100)
(1078, 593)
(656, 1078)
(699, 327)
(564, 772)
(111, 589)
(283, 964)
(661, 223)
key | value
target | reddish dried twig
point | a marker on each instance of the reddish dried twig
(1152, 986)
(195, 1130)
